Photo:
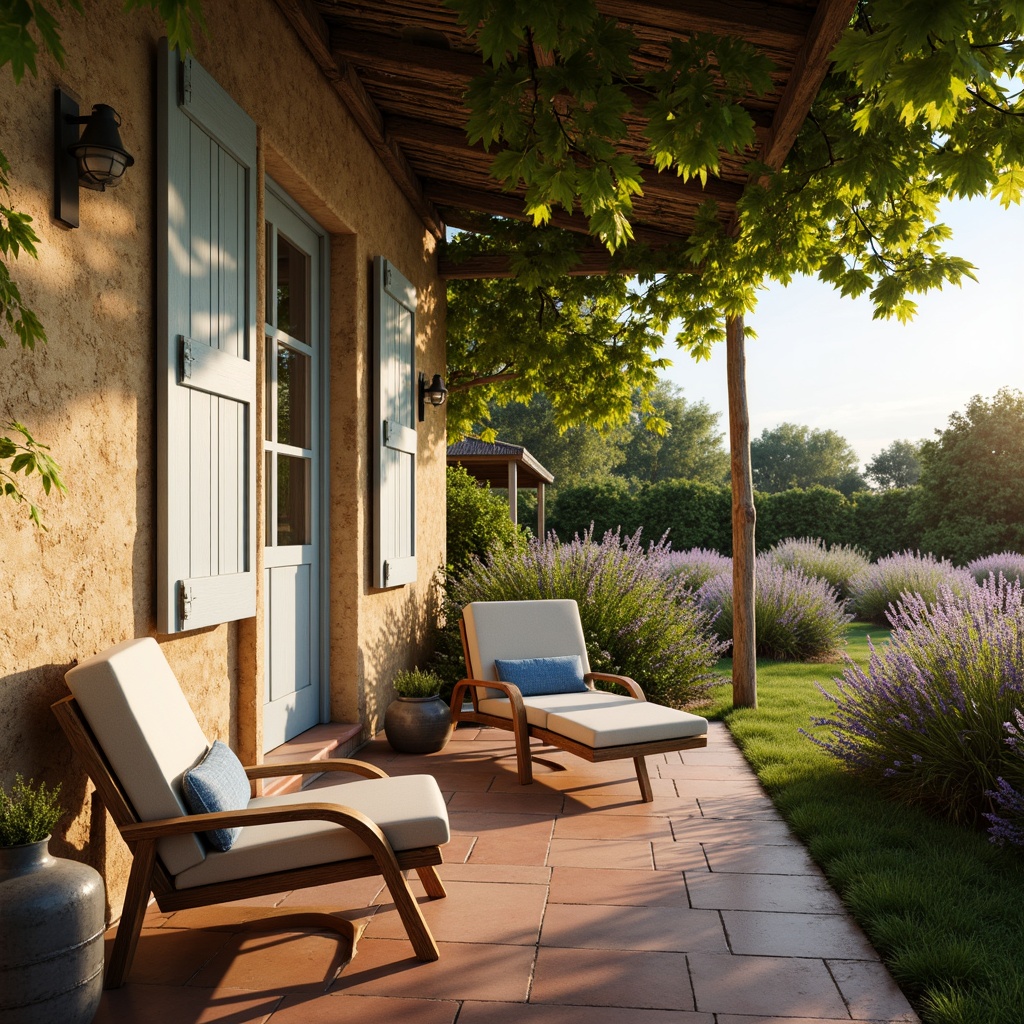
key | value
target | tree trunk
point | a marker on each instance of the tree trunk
(744, 659)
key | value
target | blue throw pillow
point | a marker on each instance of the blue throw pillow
(217, 783)
(538, 676)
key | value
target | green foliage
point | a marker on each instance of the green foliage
(561, 124)
(477, 520)
(414, 683)
(971, 501)
(815, 512)
(605, 506)
(16, 237)
(884, 522)
(693, 514)
(797, 456)
(635, 622)
(28, 813)
(682, 443)
(27, 456)
(896, 466)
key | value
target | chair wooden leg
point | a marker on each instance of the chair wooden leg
(135, 902)
(646, 793)
(524, 762)
(432, 882)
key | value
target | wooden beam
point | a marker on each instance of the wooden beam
(811, 65)
(311, 28)
(396, 56)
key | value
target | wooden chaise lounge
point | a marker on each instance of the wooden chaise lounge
(593, 724)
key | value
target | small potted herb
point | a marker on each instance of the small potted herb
(417, 721)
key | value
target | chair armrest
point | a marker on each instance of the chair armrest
(162, 827)
(634, 688)
(334, 764)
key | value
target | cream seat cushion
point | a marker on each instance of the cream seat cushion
(640, 722)
(538, 709)
(409, 810)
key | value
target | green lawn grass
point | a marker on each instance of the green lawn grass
(941, 904)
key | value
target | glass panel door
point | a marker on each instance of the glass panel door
(294, 344)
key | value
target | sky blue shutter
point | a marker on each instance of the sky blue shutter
(206, 337)
(394, 478)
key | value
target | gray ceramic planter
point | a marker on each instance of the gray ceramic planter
(417, 725)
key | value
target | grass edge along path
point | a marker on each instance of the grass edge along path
(943, 906)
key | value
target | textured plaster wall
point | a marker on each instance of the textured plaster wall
(89, 394)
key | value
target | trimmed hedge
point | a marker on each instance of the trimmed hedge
(699, 515)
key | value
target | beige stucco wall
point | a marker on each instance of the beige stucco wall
(89, 394)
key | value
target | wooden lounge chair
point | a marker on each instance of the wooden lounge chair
(593, 724)
(130, 723)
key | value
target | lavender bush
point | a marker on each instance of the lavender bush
(636, 622)
(883, 584)
(839, 565)
(796, 617)
(1006, 823)
(692, 569)
(1009, 563)
(926, 718)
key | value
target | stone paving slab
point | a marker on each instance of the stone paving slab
(569, 902)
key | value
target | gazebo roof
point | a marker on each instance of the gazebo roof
(402, 67)
(489, 461)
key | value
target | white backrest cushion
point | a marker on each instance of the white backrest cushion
(148, 732)
(521, 629)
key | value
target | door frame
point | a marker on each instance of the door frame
(322, 426)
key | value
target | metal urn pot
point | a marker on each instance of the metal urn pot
(417, 725)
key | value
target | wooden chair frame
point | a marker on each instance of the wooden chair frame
(524, 731)
(149, 876)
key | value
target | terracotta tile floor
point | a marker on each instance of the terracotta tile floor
(569, 902)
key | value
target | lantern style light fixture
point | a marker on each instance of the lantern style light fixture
(435, 394)
(96, 160)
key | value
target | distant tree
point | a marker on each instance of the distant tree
(574, 456)
(898, 465)
(792, 455)
(971, 501)
(689, 449)
(851, 482)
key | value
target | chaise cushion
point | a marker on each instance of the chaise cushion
(641, 722)
(410, 811)
(538, 708)
(536, 677)
(146, 729)
(217, 783)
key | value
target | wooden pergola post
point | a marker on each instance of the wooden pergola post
(744, 658)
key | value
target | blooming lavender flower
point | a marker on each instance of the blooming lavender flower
(1009, 563)
(695, 567)
(928, 717)
(636, 621)
(876, 590)
(796, 617)
(839, 565)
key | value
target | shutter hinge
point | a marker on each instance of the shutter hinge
(387, 274)
(387, 572)
(186, 361)
(387, 433)
(185, 597)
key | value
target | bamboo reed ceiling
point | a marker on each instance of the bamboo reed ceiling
(401, 66)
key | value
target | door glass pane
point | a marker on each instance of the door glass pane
(292, 500)
(292, 290)
(268, 390)
(293, 370)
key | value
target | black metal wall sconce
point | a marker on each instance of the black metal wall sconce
(96, 160)
(435, 394)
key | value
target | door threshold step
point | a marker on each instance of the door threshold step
(321, 743)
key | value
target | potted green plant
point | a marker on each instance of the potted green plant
(51, 928)
(417, 721)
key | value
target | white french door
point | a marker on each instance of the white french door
(295, 334)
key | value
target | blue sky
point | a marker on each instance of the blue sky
(821, 360)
